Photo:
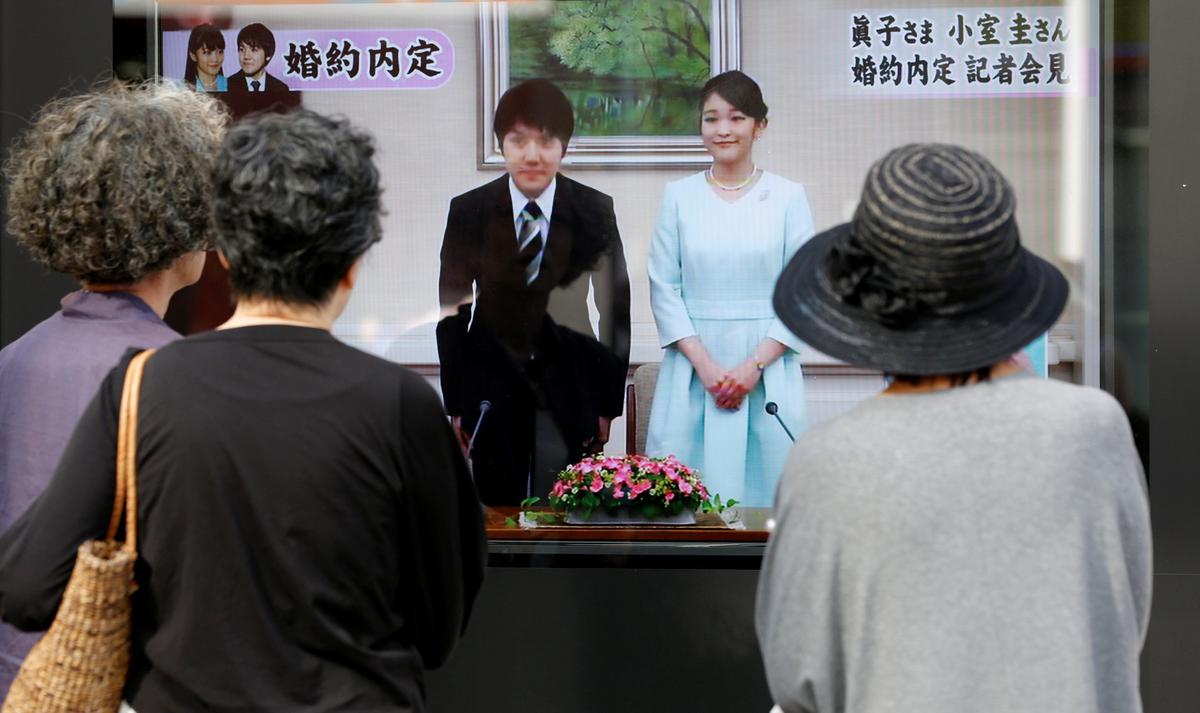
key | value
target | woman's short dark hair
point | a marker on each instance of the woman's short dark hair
(537, 103)
(297, 202)
(257, 35)
(115, 184)
(203, 37)
(959, 378)
(738, 89)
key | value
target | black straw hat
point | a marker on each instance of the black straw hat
(929, 277)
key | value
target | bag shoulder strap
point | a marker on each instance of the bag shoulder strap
(126, 494)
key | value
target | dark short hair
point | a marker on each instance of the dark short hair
(113, 185)
(738, 89)
(958, 378)
(257, 34)
(203, 37)
(297, 202)
(538, 103)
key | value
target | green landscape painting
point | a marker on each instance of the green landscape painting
(629, 68)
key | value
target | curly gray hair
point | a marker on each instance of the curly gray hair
(112, 185)
(298, 201)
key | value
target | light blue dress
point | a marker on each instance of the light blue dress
(713, 266)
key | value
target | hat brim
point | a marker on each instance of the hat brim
(1028, 305)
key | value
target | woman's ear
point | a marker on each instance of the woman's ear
(351, 275)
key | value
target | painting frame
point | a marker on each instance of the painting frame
(630, 151)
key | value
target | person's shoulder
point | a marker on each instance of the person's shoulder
(786, 186)
(691, 182)
(33, 339)
(1078, 407)
(688, 186)
(578, 187)
(383, 378)
(481, 194)
(582, 194)
(236, 82)
(275, 84)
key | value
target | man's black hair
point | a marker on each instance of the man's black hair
(258, 35)
(537, 103)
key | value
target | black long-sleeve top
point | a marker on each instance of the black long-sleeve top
(310, 539)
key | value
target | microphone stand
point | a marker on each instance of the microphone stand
(484, 407)
(773, 409)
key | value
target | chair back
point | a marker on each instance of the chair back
(639, 397)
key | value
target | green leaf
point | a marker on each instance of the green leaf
(529, 502)
(509, 522)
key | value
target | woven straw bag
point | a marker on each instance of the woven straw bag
(80, 665)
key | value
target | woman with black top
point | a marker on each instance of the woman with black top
(310, 536)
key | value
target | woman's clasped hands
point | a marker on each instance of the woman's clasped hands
(728, 387)
(731, 389)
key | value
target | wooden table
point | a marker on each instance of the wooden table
(708, 529)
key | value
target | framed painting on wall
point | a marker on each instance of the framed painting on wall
(631, 68)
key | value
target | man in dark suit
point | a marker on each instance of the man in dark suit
(256, 48)
(519, 258)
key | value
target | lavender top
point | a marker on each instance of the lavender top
(47, 378)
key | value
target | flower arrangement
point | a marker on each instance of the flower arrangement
(651, 487)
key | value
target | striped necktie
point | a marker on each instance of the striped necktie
(529, 240)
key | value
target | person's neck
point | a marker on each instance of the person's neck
(941, 382)
(258, 77)
(154, 289)
(734, 172)
(208, 80)
(251, 312)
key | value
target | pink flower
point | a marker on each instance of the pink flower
(672, 475)
(617, 492)
(685, 487)
(597, 484)
(558, 489)
(669, 496)
(586, 466)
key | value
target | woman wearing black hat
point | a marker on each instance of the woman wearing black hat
(975, 538)
(722, 237)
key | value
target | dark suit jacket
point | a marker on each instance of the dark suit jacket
(576, 376)
(237, 84)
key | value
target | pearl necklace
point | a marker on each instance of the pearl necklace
(713, 179)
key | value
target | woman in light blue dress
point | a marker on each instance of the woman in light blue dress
(722, 238)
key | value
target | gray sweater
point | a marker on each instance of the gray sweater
(984, 548)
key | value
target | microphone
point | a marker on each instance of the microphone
(773, 409)
(484, 407)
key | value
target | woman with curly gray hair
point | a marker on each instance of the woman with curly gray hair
(113, 188)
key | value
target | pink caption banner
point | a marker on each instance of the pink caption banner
(338, 60)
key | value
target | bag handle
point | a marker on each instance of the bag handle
(126, 495)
